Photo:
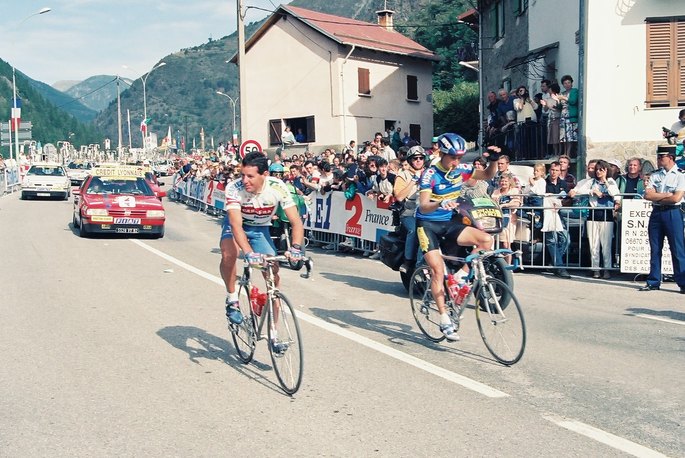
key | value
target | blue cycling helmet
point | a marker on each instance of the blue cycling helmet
(452, 144)
(276, 168)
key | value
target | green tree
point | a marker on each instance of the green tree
(456, 110)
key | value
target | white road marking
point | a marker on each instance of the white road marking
(369, 343)
(658, 318)
(606, 438)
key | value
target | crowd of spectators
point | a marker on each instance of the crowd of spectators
(372, 169)
(535, 126)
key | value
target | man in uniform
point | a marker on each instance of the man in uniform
(665, 190)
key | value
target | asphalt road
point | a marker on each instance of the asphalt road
(119, 347)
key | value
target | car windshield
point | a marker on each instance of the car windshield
(119, 186)
(80, 165)
(46, 171)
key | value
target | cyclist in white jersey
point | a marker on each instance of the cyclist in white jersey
(251, 202)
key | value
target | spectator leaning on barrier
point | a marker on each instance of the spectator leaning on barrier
(603, 197)
(631, 182)
(556, 235)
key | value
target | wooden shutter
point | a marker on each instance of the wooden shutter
(412, 87)
(364, 82)
(311, 129)
(275, 129)
(659, 63)
(666, 62)
(680, 61)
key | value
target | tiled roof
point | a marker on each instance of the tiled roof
(348, 31)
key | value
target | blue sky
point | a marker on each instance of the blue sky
(83, 38)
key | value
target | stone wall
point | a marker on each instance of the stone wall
(622, 150)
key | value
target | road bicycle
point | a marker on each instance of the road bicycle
(282, 328)
(501, 325)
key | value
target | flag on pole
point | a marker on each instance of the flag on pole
(16, 114)
(143, 125)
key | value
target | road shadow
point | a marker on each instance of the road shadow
(365, 284)
(198, 344)
(396, 333)
(671, 314)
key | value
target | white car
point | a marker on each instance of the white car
(78, 171)
(46, 180)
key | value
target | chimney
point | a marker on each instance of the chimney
(385, 19)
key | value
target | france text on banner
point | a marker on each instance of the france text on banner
(635, 241)
(359, 217)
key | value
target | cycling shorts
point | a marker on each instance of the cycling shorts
(442, 235)
(258, 237)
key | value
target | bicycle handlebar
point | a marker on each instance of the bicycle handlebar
(308, 263)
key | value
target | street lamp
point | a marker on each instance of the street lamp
(14, 89)
(144, 80)
(233, 102)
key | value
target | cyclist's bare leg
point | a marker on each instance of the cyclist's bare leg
(471, 236)
(435, 262)
(227, 266)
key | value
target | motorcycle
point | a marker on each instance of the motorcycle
(479, 212)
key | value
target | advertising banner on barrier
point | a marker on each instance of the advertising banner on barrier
(635, 241)
(359, 217)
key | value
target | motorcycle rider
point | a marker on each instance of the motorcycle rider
(406, 190)
(438, 226)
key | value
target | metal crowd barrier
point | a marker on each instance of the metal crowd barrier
(529, 238)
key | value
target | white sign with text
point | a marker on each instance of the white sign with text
(635, 241)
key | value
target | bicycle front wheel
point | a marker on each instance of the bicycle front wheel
(285, 344)
(504, 334)
(243, 334)
(423, 305)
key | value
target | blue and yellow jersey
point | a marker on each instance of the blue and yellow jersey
(442, 185)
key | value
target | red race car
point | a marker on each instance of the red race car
(118, 200)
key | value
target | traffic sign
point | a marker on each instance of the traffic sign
(249, 146)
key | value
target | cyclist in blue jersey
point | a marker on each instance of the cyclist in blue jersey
(251, 202)
(438, 226)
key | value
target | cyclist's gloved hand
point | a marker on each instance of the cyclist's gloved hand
(296, 252)
(254, 259)
(493, 153)
(449, 204)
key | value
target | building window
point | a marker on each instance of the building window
(498, 19)
(520, 6)
(303, 129)
(666, 62)
(364, 82)
(415, 132)
(412, 88)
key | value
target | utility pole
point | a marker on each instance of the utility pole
(241, 68)
(119, 120)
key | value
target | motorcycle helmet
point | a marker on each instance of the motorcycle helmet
(416, 151)
(276, 168)
(452, 144)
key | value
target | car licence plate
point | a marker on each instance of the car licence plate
(126, 220)
(127, 230)
(43, 194)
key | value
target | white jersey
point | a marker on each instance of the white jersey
(258, 209)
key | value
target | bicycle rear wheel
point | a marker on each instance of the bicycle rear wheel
(285, 344)
(504, 334)
(423, 305)
(243, 334)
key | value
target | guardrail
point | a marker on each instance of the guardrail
(359, 223)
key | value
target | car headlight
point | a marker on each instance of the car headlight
(96, 212)
(155, 214)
